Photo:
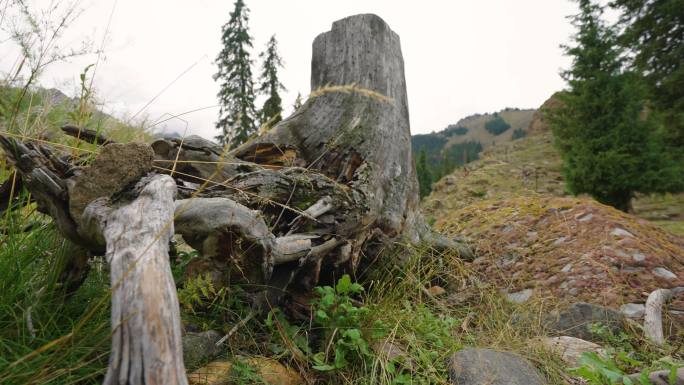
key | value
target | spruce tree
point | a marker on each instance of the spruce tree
(424, 174)
(236, 95)
(271, 112)
(298, 102)
(654, 32)
(608, 145)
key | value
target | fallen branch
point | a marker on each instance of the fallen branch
(653, 319)
(86, 135)
(146, 339)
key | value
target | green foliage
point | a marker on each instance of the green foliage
(431, 143)
(270, 113)
(241, 372)
(622, 357)
(497, 125)
(340, 319)
(424, 174)
(654, 31)
(237, 113)
(462, 153)
(47, 336)
(609, 147)
(456, 130)
(598, 370)
(285, 339)
(200, 293)
(518, 133)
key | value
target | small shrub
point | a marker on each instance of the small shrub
(518, 133)
(497, 126)
(341, 320)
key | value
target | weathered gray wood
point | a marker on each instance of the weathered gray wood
(653, 318)
(354, 138)
(146, 339)
(86, 134)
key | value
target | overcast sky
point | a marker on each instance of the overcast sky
(461, 56)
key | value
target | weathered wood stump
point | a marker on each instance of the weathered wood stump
(324, 189)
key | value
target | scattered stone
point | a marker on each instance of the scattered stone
(475, 366)
(618, 232)
(271, 372)
(638, 257)
(586, 218)
(520, 296)
(570, 348)
(559, 241)
(575, 320)
(200, 347)
(633, 310)
(664, 273)
(567, 268)
(436, 291)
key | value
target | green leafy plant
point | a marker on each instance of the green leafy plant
(243, 373)
(608, 369)
(340, 319)
(200, 292)
(285, 338)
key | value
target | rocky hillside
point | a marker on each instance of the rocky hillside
(481, 130)
(534, 241)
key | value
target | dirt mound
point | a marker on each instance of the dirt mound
(539, 123)
(569, 248)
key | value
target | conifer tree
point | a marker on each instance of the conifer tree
(298, 102)
(271, 112)
(608, 145)
(654, 32)
(237, 113)
(424, 174)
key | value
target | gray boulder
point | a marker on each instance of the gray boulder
(199, 348)
(576, 319)
(474, 366)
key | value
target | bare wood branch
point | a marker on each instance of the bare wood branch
(146, 340)
(86, 135)
(653, 319)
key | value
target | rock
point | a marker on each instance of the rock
(436, 291)
(520, 296)
(390, 351)
(575, 320)
(570, 348)
(199, 347)
(664, 273)
(618, 232)
(271, 372)
(633, 310)
(638, 257)
(474, 366)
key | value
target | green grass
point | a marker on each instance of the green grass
(45, 336)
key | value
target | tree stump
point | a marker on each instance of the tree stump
(324, 189)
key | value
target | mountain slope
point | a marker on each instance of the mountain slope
(462, 141)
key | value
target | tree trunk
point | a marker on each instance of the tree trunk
(327, 187)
